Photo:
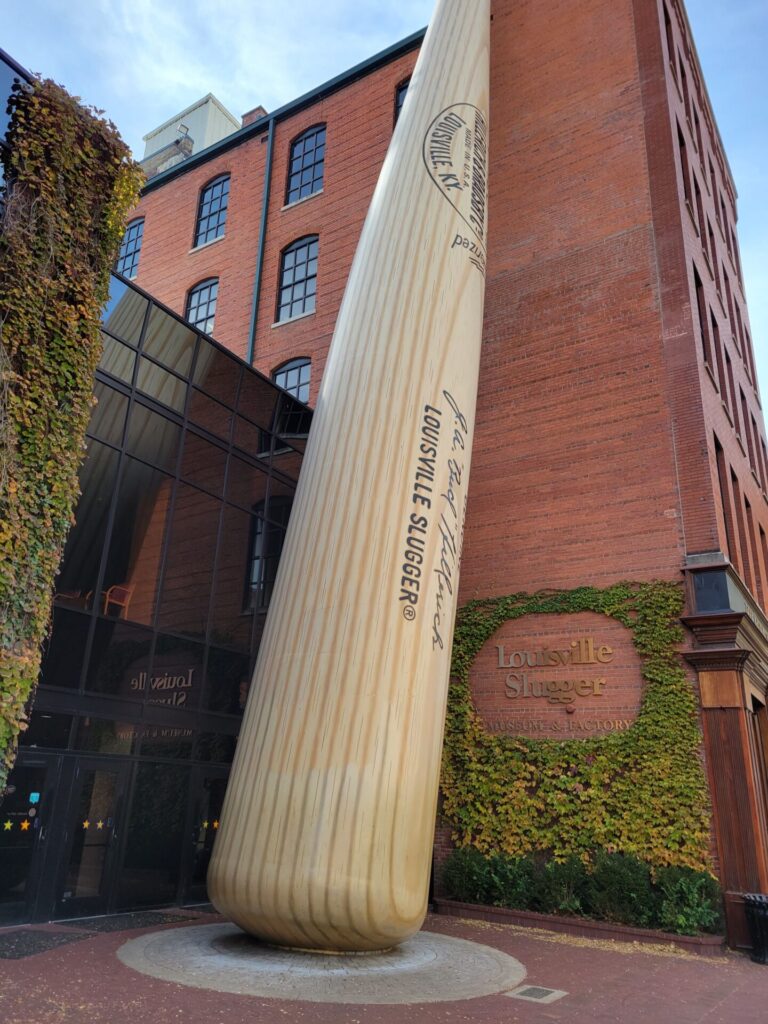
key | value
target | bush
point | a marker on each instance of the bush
(620, 890)
(688, 901)
(563, 887)
(466, 876)
(513, 881)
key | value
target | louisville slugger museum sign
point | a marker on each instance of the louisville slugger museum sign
(558, 677)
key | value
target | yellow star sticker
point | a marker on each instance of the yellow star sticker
(7, 826)
(205, 824)
(215, 824)
(25, 825)
(86, 824)
(99, 825)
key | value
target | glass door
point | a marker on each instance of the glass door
(209, 785)
(90, 837)
(24, 824)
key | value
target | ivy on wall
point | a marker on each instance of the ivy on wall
(70, 184)
(641, 791)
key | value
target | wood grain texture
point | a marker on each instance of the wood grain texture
(327, 827)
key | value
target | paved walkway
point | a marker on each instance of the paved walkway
(80, 981)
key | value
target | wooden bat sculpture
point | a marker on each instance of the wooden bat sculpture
(327, 827)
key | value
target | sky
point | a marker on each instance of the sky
(142, 61)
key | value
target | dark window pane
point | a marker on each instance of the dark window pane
(227, 681)
(230, 624)
(189, 566)
(166, 741)
(104, 736)
(209, 414)
(298, 278)
(169, 342)
(117, 359)
(217, 373)
(164, 387)
(153, 438)
(108, 417)
(131, 577)
(155, 833)
(82, 555)
(246, 483)
(47, 730)
(177, 673)
(124, 312)
(214, 746)
(64, 651)
(257, 400)
(119, 663)
(203, 463)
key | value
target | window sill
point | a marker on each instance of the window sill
(727, 411)
(293, 319)
(708, 368)
(206, 245)
(741, 444)
(305, 199)
(707, 260)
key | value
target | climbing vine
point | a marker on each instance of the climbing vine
(69, 184)
(641, 791)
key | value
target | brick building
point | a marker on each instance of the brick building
(620, 432)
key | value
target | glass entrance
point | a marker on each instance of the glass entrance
(90, 837)
(210, 786)
(24, 824)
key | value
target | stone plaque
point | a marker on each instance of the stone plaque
(558, 677)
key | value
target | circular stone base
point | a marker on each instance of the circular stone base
(428, 968)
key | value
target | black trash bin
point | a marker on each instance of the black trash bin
(756, 906)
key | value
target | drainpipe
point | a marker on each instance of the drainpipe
(262, 242)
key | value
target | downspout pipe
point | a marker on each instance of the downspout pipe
(262, 242)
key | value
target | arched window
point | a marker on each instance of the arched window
(201, 304)
(294, 378)
(130, 247)
(212, 211)
(401, 91)
(298, 278)
(307, 164)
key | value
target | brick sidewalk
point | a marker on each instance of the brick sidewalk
(81, 982)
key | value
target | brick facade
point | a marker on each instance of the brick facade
(619, 429)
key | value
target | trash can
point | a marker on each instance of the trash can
(756, 907)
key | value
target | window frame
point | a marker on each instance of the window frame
(402, 86)
(221, 222)
(303, 136)
(205, 282)
(294, 246)
(136, 251)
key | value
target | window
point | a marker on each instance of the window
(294, 377)
(307, 165)
(212, 212)
(201, 304)
(400, 94)
(298, 278)
(130, 247)
(267, 537)
(686, 171)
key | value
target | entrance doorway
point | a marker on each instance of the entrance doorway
(25, 819)
(90, 836)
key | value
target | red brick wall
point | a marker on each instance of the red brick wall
(594, 455)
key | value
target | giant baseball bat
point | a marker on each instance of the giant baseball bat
(327, 828)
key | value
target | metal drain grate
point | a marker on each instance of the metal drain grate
(536, 994)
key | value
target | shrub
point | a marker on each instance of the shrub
(513, 881)
(620, 889)
(563, 887)
(466, 876)
(688, 901)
